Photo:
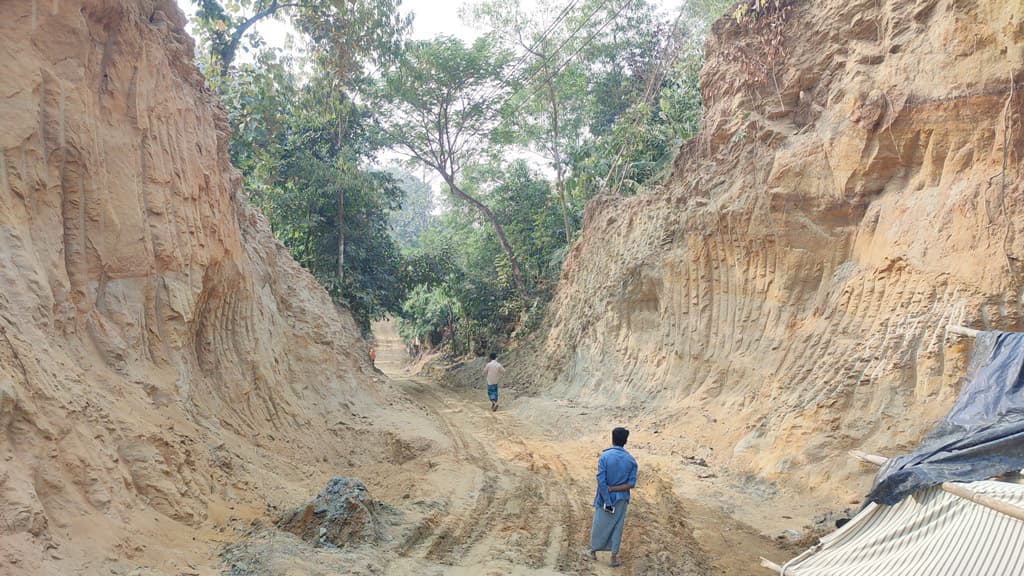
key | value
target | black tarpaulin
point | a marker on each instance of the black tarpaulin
(983, 434)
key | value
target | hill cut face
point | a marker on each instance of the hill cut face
(160, 352)
(784, 298)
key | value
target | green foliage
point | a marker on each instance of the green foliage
(651, 105)
(604, 92)
(300, 145)
(349, 36)
(428, 315)
(638, 149)
(523, 200)
(416, 213)
(301, 138)
(474, 280)
(483, 306)
(679, 103)
(437, 101)
(607, 97)
(345, 35)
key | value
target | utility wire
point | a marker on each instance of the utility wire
(550, 58)
(566, 62)
(655, 79)
(507, 78)
(547, 60)
(544, 36)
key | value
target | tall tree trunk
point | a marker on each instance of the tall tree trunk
(559, 170)
(517, 276)
(555, 152)
(341, 237)
(341, 200)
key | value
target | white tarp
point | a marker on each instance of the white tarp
(930, 533)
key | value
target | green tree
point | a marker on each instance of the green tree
(605, 90)
(301, 146)
(642, 93)
(522, 199)
(348, 33)
(483, 304)
(428, 315)
(547, 87)
(583, 66)
(416, 212)
(439, 110)
(300, 138)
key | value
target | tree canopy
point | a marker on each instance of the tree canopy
(518, 129)
(347, 34)
(438, 110)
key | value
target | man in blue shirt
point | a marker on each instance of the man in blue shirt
(616, 476)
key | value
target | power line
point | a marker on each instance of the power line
(531, 50)
(544, 36)
(548, 58)
(566, 62)
(656, 78)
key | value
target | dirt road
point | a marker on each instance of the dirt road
(500, 494)
(470, 492)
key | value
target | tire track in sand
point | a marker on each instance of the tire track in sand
(521, 501)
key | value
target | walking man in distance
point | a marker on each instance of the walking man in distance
(616, 476)
(493, 370)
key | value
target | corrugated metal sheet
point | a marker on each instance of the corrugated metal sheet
(931, 533)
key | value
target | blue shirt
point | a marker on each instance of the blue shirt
(614, 467)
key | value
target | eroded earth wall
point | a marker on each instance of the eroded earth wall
(785, 297)
(159, 350)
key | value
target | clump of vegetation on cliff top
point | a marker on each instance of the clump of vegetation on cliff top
(302, 136)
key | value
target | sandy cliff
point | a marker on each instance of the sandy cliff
(784, 299)
(161, 356)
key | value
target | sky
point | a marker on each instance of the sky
(434, 17)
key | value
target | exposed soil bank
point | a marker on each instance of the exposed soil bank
(784, 298)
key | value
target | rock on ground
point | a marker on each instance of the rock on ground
(342, 514)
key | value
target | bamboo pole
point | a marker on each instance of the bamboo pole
(962, 330)
(869, 458)
(771, 565)
(982, 500)
(955, 489)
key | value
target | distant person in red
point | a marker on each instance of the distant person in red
(373, 357)
(493, 371)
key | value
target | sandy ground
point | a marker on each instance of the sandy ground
(516, 486)
(476, 492)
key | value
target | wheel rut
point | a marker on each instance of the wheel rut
(510, 498)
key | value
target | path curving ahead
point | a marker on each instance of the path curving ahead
(512, 499)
